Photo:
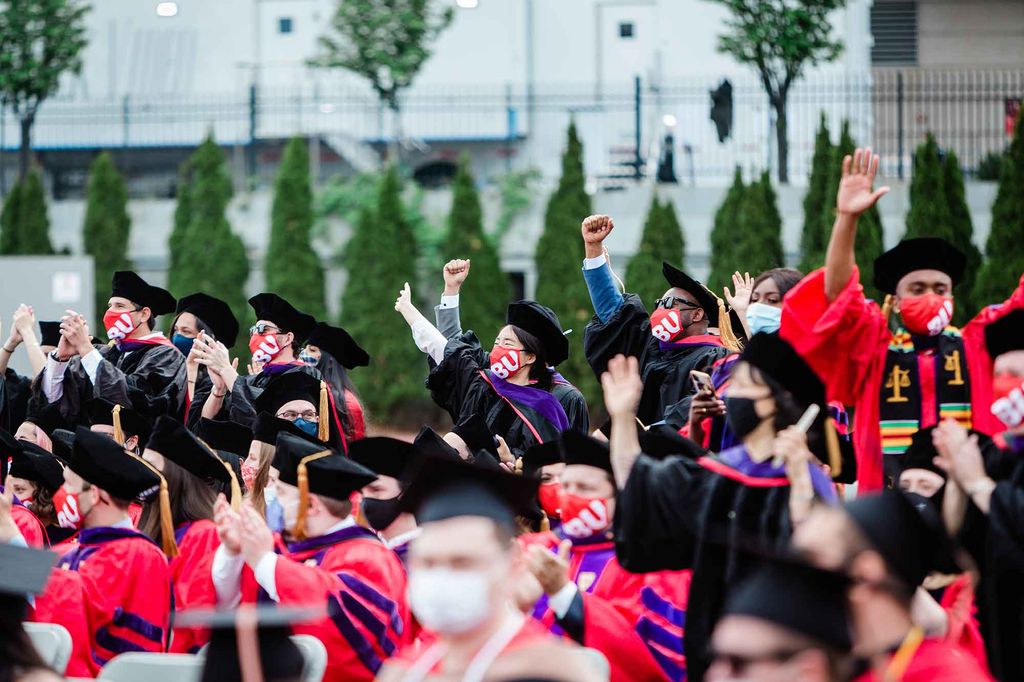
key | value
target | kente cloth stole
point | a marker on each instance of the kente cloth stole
(900, 402)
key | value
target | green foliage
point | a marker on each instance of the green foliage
(487, 290)
(1004, 250)
(662, 240)
(384, 41)
(42, 40)
(517, 192)
(779, 39)
(558, 257)
(814, 238)
(24, 225)
(380, 257)
(107, 225)
(962, 236)
(726, 228)
(929, 211)
(210, 257)
(292, 267)
(990, 166)
(179, 233)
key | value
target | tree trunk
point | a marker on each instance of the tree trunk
(25, 152)
(395, 145)
(781, 138)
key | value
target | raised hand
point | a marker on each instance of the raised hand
(455, 273)
(550, 570)
(228, 525)
(75, 330)
(855, 188)
(743, 285)
(622, 386)
(256, 537)
(596, 229)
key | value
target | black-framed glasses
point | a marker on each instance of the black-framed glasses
(739, 663)
(262, 329)
(671, 301)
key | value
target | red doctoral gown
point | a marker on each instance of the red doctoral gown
(190, 572)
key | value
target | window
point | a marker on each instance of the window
(626, 29)
(894, 30)
(284, 25)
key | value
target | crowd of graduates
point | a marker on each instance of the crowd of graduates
(793, 483)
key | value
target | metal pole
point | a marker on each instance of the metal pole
(899, 123)
(3, 149)
(125, 108)
(250, 150)
(510, 128)
(638, 162)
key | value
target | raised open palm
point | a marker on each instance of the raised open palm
(855, 188)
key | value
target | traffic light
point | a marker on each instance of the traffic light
(721, 109)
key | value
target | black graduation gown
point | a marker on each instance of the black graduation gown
(14, 399)
(666, 373)
(574, 404)
(676, 514)
(239, 404)
(457, 386)
(150, 378)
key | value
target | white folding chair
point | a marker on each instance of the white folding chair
(149, 667)
(53, 642)
(314, 657)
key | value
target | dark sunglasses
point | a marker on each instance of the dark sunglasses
(670, 301)
(261, 329)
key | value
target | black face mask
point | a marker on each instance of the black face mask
(381, 513)
(741, 416)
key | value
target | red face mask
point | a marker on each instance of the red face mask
(249, 474)
(1008, 394)
(505, 361)
(926, 315)
(666, 325)
(583, 517)
(68, 508)
(549, 495)
(118, 325)
(264, 348)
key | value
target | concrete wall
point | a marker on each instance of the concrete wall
(970, 33)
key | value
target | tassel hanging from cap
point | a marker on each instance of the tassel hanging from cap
(545, 525)
(725, 331)
(887, 307)
(236, 490)
(168, 544)
(302, 476)
(323, 428)
(118, 429)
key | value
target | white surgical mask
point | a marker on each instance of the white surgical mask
(763, 318)
(449, 602)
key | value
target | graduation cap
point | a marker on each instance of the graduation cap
(337, 343)
(214, 313)
(907, 531)
(49, 333)
(798, 597)
(476, 434)
(33, 463)
(45, 416)
(227, 435)
(175, 443)
(1005, 334)
(234, 462)
(542, 322)
(63, 444)
(579, 448)
(273, 308)
(298, 385)
(382, 455)
(318, 470)
(127, 284)
(661, 441)
(443, 488)
(922, 253)
(776, 358)
(541, 455)
(280, 658)
(705, 299)
(921, 453)
(267, 427)
(126, 421)
(24, 570)
(429, 443)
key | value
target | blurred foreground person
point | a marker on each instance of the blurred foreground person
(23, 572)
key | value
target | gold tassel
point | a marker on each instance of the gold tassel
(519, 466)
(299, 531)
(170, 547)
(887, 307)
(118, 430)
(725, 331)
(236, 490)
(545, 525)
(835, 459)
(323, 428)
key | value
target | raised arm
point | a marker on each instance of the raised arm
(622, 389)
(604, 294)
(446, 315)
(854, 197)
(426, 336)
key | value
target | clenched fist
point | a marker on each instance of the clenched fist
(455, 273)
(596, 229)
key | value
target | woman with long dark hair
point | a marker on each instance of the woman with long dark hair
(510, 386)
(203, 318)
(333, 351)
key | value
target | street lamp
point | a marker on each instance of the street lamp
(467, 4)
(167, 9)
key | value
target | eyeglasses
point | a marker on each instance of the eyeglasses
(738, 663)
(261, 329)
(291, 415)
(671, 301)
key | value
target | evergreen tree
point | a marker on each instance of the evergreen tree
(179, 234)
(962, 236)
(662, 240)
(107, 225)
(929, 210)
(25, 225)
(814, 239)
(292, 267)
(380, 257)
(1004, 250)
(560, 284)
(758, 246)
(726, 229)
(9, 221)
(487, 290)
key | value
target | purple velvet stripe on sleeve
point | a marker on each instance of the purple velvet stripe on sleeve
(538, 400)
(363, 649)
(381, 602)
(374, 625)
(738, 459)
(655, 604)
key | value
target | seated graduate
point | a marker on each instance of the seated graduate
(34, 477)
(41, 420)
(231, 442)
(17, 389)
(195, 474)
(125, 426)
(258, 475)
(139, 364)
(23, 572)
(325, 559)
(888, 543)
(464, 569)
(201, 317)
(113, 589)
(29, 525)
(787, 621)
(306, 402)
(391, 459)
(510, 387)
(707, 513)
(449, 323)
(669, 342)
(584, 593)
(333, 351)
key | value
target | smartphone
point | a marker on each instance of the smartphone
(702, 382)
